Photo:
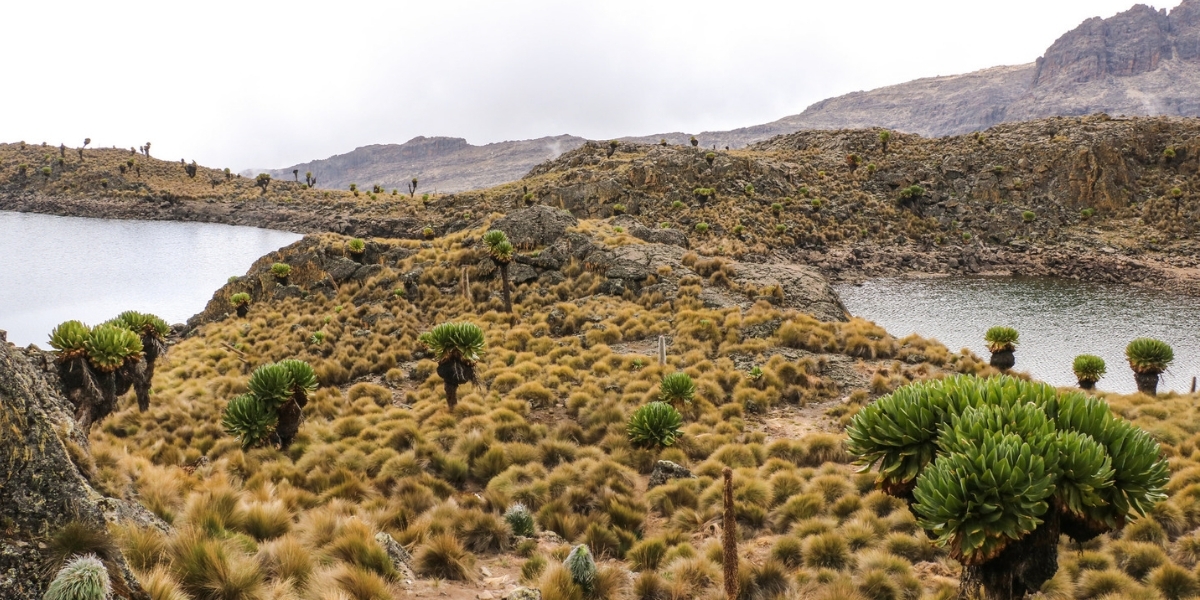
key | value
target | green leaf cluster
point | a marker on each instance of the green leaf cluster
(462, 341)
(1089, 367)
(1000, 339)
(677, 387)
(986, 459)
(582, 567)
(84, 578)
(109, 347)
(655, 424)
(520, 520)
(356, 246)
(252, 417)
(281, 269)
(1148, 355)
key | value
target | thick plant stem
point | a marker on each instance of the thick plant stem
(729, 539)
(1147, 383)
(451, 394)
(504, 287)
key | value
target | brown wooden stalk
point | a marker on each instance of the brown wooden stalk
(729, 539)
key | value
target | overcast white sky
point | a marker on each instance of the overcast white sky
(268, 84)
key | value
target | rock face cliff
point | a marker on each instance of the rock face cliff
(1139, 62)
(41, 489)
(441, 164)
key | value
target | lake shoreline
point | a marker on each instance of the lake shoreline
(1079, 258)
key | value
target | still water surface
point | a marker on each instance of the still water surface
(1057, 319)
(57, 268)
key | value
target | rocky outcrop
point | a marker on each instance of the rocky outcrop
(1130, 43)
(665, 470)
(41, 489)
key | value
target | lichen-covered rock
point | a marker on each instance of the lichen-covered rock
(665, 470)
(523, 593)
(41, 489)
(401, 559)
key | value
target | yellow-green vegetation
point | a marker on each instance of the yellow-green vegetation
(541, 444)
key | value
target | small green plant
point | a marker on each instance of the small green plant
(912, 192)
(1001, 339)
(582, 567)
(749, 190)
(428, 233)
(776, 208)
(1148, 358)
(1176, 193)
(83, 578)
(262, 181)
(738, 229)
(619, 209)
(232, 279)
(110, 347)
(780, 229)
(317, 338)
(871, 168)
(281, 270)
(1169, 153)
(69, 340)
(1029, 216)
(664, 225)
(637, 364)
(240, 299)
(618, 229)
(399, 292)
(695, 142)
(702, 227)
(885, 136)
(356, 246)
(1087, 213)
(710, 157)
(520, 520)
(1088, 370)
(656, 424)
(457, 347)
(46, 171)
(677, 387)
(755, 373)
(966, 236)
(816, 203)
(249, 421)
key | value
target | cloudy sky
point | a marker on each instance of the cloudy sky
(268, 84)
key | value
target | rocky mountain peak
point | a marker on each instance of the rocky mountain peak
(1129, 43)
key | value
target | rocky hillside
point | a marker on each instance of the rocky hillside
(1095, 197)
(440, 164)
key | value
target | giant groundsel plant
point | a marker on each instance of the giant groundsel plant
(995, 469)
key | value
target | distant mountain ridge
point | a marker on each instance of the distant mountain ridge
(1138, 62)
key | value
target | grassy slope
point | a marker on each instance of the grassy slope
(380, 452)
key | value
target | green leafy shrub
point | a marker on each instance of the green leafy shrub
(271, 384)
(677, 387)
(281, 270)
(520, 520)
(619, 209)
(240, 299)
(701, 227)
(249, 420)
(144, 324)
(984, 462)
(1148, 355)
(582, 567)
(109, 347)
(356, 246)
(1001, 339)
(84, 578)
(1088, 368)
(457, 347)
(655, 424)
(1087, 213)
(912, 192)
(1029, 216)
(69, 339)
